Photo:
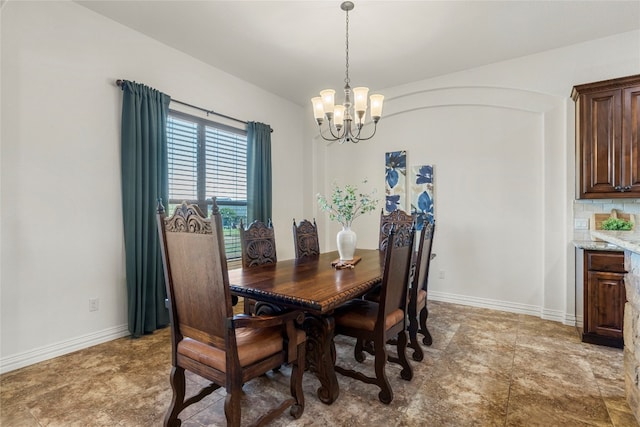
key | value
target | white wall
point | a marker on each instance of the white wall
(501, 139)
(60, 172)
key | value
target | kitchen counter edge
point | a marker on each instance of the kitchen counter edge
(624, 240)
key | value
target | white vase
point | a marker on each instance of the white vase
(346, 240)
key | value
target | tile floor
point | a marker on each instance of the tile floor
(485, 368)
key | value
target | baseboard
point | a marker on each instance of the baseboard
(511, 307)
(572, 320)
(40, 354)
(555, 315)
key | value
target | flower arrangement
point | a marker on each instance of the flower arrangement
(346, 204)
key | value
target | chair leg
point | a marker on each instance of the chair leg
(407, 371)
(357, 351)
(418, 354)
(424, 313)
(333, 353)
(177, 401)
(297, 370)
(249, 306)
(386, 393)
(232, 405)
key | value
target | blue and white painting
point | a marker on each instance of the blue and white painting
(422, 194)
(395, 181)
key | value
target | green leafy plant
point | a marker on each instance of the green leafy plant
(346, 204)
(616, 224)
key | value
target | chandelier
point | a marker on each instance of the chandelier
(340, 117)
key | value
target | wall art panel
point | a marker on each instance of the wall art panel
(395, 181)
(422, 194)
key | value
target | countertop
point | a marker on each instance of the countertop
(585, 240)
(625, 240)
(597, 246)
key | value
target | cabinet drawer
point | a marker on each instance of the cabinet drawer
(605, 261)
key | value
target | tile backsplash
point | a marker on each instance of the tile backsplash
(582, 209)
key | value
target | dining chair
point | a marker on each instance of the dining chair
(206, 338)
(258, 247)
(418, 311)
(305, 238)
(377, 322)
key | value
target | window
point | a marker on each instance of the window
(209, 159)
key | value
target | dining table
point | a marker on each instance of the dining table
(315, 286)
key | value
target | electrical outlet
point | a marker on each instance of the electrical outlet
(442, 274)
(581, 223)
(94, 304)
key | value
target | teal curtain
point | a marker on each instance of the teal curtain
(258, 172)
(144, 180)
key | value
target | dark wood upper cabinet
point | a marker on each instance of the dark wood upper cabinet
(607, 138)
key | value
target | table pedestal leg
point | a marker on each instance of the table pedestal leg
(319, 355)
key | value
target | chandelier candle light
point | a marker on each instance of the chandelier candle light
(341, 116)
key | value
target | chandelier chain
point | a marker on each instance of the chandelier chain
(346, 77)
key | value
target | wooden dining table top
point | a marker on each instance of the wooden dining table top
(312, 283)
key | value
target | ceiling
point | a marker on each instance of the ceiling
(296, 48)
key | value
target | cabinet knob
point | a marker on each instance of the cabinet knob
(627, 188)
(618, 188)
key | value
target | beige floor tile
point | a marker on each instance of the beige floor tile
(485, 368)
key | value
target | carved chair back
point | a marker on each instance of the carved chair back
(258, 244)
(305, 238)
(196, 272)
(402, 221)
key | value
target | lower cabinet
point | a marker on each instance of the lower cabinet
(604, 297)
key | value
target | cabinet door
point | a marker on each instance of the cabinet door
(631, 138)
(605, 306)
(600, 143)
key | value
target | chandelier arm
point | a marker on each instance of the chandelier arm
(328, 139)
(347, 134)
(325, 138)
(334, 137)
(358, 138)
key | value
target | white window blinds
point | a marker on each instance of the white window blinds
(208, 159)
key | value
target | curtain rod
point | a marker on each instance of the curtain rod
(119, 83)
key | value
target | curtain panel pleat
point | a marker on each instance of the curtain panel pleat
(144, 180)
(258, 172)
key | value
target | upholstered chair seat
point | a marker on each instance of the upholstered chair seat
(253, 346)
(362, 314)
